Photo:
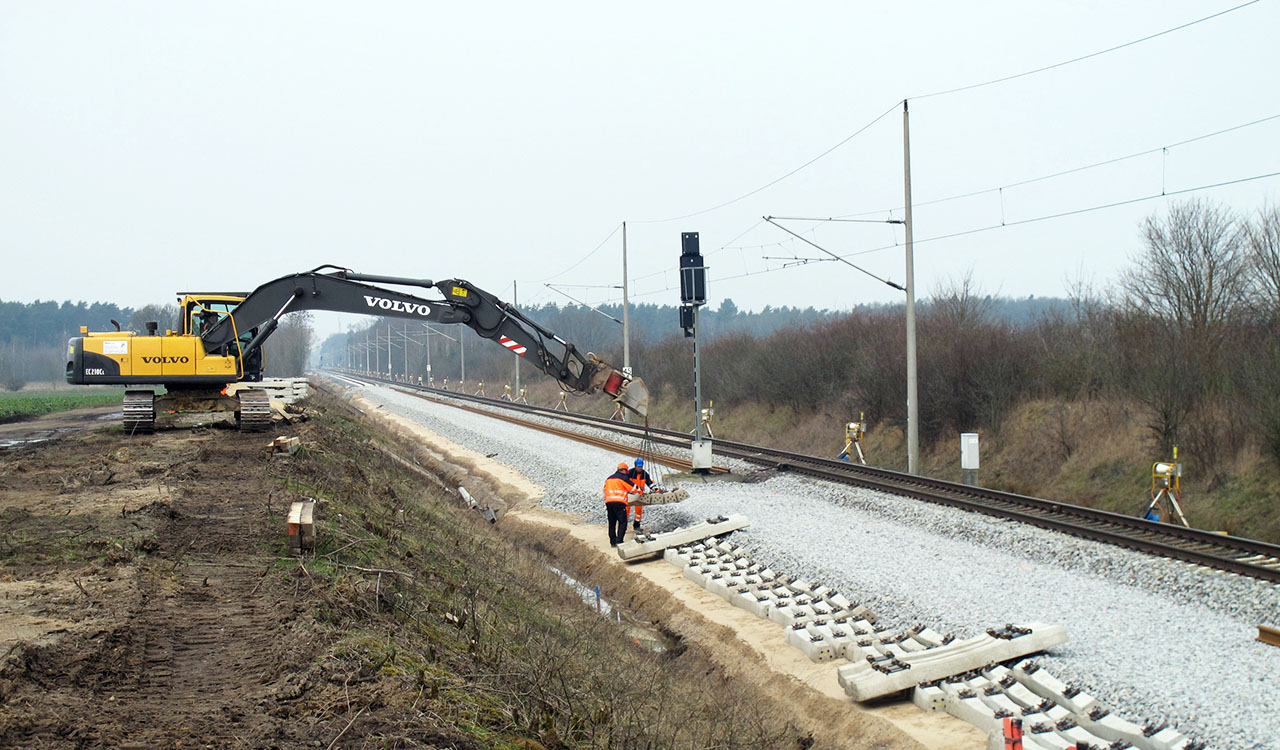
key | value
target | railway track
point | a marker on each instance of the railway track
(1232, 554)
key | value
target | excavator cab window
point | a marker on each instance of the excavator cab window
(205, 314)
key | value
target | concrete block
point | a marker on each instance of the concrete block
(660, 542)
(1045, 735)
(1040, 682)
(812, 643)
(677, 558)
(787, 614)
(718, 584)
(698, 574)
(969, 708)
(1076, 734)
(748, 601)
(1167, 739)
(799, 586)
(927, 636)
(839, 601)
(999, 701)
(930, 698)
(867, 680)
(1110, 727)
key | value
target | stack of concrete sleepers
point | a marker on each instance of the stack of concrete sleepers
(1054, 716)
(874, 677)
(647, 545)
(818, 620)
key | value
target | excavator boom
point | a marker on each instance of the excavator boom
(228, 348)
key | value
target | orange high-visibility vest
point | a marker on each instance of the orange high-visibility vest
(616, 488)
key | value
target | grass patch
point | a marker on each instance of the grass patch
(33, 403)
(472, 640)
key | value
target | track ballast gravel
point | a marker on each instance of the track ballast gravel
(1154, 639)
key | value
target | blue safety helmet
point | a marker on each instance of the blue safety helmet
(639, 463)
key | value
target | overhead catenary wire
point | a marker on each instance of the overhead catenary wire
(1062, 173)
(584, 258)
(944, 92)
(593, 308)
(1000, 189)
(1081, 58)
(770, 184)
(978, 230)
(770, 219)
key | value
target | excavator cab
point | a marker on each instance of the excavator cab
(202, 311)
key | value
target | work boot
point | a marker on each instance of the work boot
(636, 524)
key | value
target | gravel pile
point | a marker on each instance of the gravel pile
(1156, 640)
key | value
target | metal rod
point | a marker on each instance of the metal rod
(626, 318)
(697, 380)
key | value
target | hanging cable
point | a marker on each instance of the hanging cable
(584, 258)
(989, 228)
(1147, 38)
(718, 206)
(1072, 170)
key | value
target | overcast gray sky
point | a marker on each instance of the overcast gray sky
(150, 147)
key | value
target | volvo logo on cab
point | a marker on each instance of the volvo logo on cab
(165, 360)
(398, 306)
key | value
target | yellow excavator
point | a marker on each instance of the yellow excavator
(222, 336)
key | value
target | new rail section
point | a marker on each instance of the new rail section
(1233, 554)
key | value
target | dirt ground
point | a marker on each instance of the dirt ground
(131, 611)
(142, 602)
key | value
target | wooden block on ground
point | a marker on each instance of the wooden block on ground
(301, 527)
(284, 445)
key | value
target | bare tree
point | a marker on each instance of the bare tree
(13, 375)
(165, 316)
(287, 350)
(1263, 238)
(1193, 271)
(961, 302)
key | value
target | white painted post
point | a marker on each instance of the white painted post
(969, 458)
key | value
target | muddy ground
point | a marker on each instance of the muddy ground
(147, 599)
(132, 606)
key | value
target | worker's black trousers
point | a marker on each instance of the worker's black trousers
(617, 521)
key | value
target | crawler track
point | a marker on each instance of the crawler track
(1245, 557)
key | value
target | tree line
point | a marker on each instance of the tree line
(1190, 333)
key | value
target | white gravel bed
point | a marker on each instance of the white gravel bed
(1154, 639)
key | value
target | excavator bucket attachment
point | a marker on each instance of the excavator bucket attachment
(632, 394)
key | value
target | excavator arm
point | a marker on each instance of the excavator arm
(342, 290)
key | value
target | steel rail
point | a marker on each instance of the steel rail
(1233, 554)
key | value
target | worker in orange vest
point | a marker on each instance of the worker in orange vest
(616, 489)
(641, 479)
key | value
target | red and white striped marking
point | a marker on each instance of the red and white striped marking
(513, 345)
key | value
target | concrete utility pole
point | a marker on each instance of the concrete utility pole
(913, 404)
(626, 316)
(515, 301)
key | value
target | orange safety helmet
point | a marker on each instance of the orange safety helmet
(622, 466)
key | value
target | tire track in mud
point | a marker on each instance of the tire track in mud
(206, 642)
